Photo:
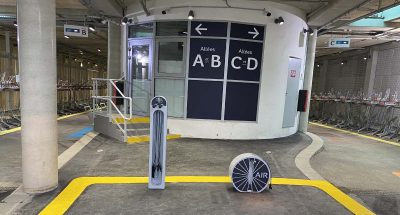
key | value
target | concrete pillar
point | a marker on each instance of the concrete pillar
(114, 51)
(8, 54)
(370, 72)
(38, 69)
(124, 49)
(308, 77)
(9, 95)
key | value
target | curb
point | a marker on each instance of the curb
(302, 160)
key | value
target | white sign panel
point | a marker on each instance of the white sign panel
(339, 43)
(75, 30)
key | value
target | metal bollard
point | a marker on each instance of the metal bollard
(158, 142)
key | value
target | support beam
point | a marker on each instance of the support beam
(370, 72)
(38, 69)
(308, 77)
(8, 53)
(114, 51)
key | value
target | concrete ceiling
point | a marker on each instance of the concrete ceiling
(331, 17)
(68, 12)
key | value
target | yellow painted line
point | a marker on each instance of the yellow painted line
(357, 134)
(10, 131)
(76, 187)
(146, 138)
(133, 120)
(59, 118)
(396, 173)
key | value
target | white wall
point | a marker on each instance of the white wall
(281, 42)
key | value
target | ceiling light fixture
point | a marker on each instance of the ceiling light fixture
(267, 13)
(15, 24)
(279, 21)
(191, 15)
(124, 20)
(66, 36)
(92, 28)
(98, 50)
(309, 31)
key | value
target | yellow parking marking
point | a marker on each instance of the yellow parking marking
(357, 134)
(133, 120)
(59, 118)
(75, 188)
(146, 138)
(396, 173)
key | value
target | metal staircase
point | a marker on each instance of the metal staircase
(118, 121)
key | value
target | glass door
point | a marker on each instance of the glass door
(170, 73)
(140, 61)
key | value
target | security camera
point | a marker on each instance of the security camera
(164, 12)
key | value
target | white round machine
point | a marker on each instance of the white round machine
(249, 173)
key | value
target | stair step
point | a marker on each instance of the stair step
(138, 132)
(136, 120)
(146, 138)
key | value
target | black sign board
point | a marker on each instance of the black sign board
(204, 99)
(207, 58)
(209, 29)
(241, 101)
(245, 60)
(243, 31)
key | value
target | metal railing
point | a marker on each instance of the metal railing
(111, 86)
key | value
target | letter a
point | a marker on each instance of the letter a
(198, 60)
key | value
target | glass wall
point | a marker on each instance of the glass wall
(170, 72)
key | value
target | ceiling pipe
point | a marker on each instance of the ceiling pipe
(315, 15)
(367, 15)
(343, 14)
(317, 11)
(143, 3)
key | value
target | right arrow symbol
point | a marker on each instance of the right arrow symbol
(255, 33)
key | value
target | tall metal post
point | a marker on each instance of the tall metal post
(308, 77)
(38, 69)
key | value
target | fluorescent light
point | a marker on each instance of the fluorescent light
(92, 28)
(66, 36)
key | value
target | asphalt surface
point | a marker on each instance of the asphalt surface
(361, 167)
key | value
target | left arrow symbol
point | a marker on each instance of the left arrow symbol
(199, 29)
(254, 33)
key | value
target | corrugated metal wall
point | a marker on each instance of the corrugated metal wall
(387, 74)
(352, 74)
(346, 74)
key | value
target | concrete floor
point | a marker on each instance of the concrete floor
(361, 167)
(10, 147)
(105, 157)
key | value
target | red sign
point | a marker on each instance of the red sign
(292, 73)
